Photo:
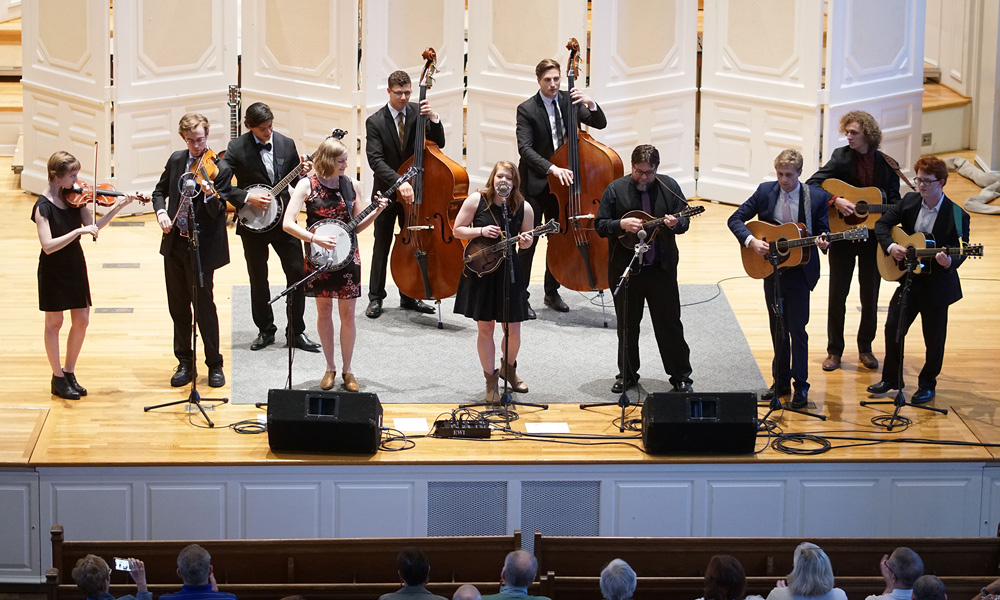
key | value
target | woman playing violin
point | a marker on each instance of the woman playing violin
(482, 298)
(330, 194)
(62, 268)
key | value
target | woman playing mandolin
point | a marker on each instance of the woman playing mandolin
(481, 298)
(330, 194)
(62, 269)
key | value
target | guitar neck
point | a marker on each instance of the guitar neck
(926, 252)
(811, 240)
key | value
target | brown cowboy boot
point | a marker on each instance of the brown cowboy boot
(509, 373)
(492, 393)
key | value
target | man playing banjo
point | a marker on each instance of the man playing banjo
(259, 159)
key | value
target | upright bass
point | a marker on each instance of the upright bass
(577, 255)
(426, 259)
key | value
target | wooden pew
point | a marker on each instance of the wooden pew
(771, 557)
(688, 588)
(288, 562)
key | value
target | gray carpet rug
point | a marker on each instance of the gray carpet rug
(565, 357)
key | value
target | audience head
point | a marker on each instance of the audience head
(467, 592)
(725, 579)
(92, 575)
(194, 565)
(905, 567)
(928, 587)
(412, 566)
(617, 580)
(812, 574)
(519, 569)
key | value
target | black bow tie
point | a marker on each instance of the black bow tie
(266, 146)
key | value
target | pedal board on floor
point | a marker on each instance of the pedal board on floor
(448, 428)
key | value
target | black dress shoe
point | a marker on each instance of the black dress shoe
(922, 396)
(882, 387)
(769, 395)
(262, 341)
(683, 387)
(374, 309)
(182, 375)
(304, 343)
(555, 302)
(531, 313)
(71, 378)
(216, 378)
(417, 305)
(800, 399)
(62, 388)
(620, 385)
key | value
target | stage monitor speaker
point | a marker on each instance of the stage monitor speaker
(310, 421)
(702, 423)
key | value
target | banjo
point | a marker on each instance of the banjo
(346, 243)
(260, 220)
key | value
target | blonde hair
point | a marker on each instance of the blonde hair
(325, 157)
(190, 122)
(490, 192)
(60, 163)
(789, 157)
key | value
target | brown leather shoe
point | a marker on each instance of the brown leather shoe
(832, 362)
(868, 360)
(492, 391)
(509, 374)
(350, 383)
(329, 378)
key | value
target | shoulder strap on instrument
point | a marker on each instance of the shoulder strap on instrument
(895, 167)
(808, 201)
(957, 211)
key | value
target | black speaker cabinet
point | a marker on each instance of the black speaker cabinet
(702, 423)
(338, 422)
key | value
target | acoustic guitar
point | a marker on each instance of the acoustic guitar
(629, 240)
(918, 246)
(867, 201)
(791, 244)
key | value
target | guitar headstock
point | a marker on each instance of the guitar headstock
(234, 96)
(973, 250)
(430, 67)
(573, 66)
(856, 234)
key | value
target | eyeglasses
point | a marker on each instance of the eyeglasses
(919, 181)
(649, 173)
(401, 93)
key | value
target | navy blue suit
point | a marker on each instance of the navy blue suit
(791, 352)
(931, 292)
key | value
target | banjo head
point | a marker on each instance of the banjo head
(339, 256)
(256, 219)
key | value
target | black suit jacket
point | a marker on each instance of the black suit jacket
(243, 159)
(621, 197)
(940, 285)
(842, 166)
(384, 154)
(211, 215)
(534, 138)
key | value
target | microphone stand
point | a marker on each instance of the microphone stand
(900, 400)
(198, 281)
(622, 288)
(507, 403)
(777, 310)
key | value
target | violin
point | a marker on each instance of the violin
(205, 170)
(83, 195)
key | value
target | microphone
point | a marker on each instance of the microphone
(642, 235)
(503, 189)
(190, 189)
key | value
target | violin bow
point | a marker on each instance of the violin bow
(93, 200)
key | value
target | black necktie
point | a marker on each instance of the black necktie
(560, 128)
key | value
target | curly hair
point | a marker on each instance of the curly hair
(869, 127)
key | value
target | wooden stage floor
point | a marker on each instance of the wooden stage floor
(127, 362)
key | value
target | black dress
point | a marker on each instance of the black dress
(62, 275)
(481, 298)
(329, 203)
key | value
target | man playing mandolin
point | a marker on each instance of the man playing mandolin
(859, 164)
(932, 291)
(787, 201)
(259, 159)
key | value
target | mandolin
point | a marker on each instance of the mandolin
(483, 256)
(629, 240)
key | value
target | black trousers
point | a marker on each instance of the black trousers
(654, 286)
(289, 251)
(791, 350)
(934, 321)
(385, 228)
(842, 259)
(180, 277)
(545, 207)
